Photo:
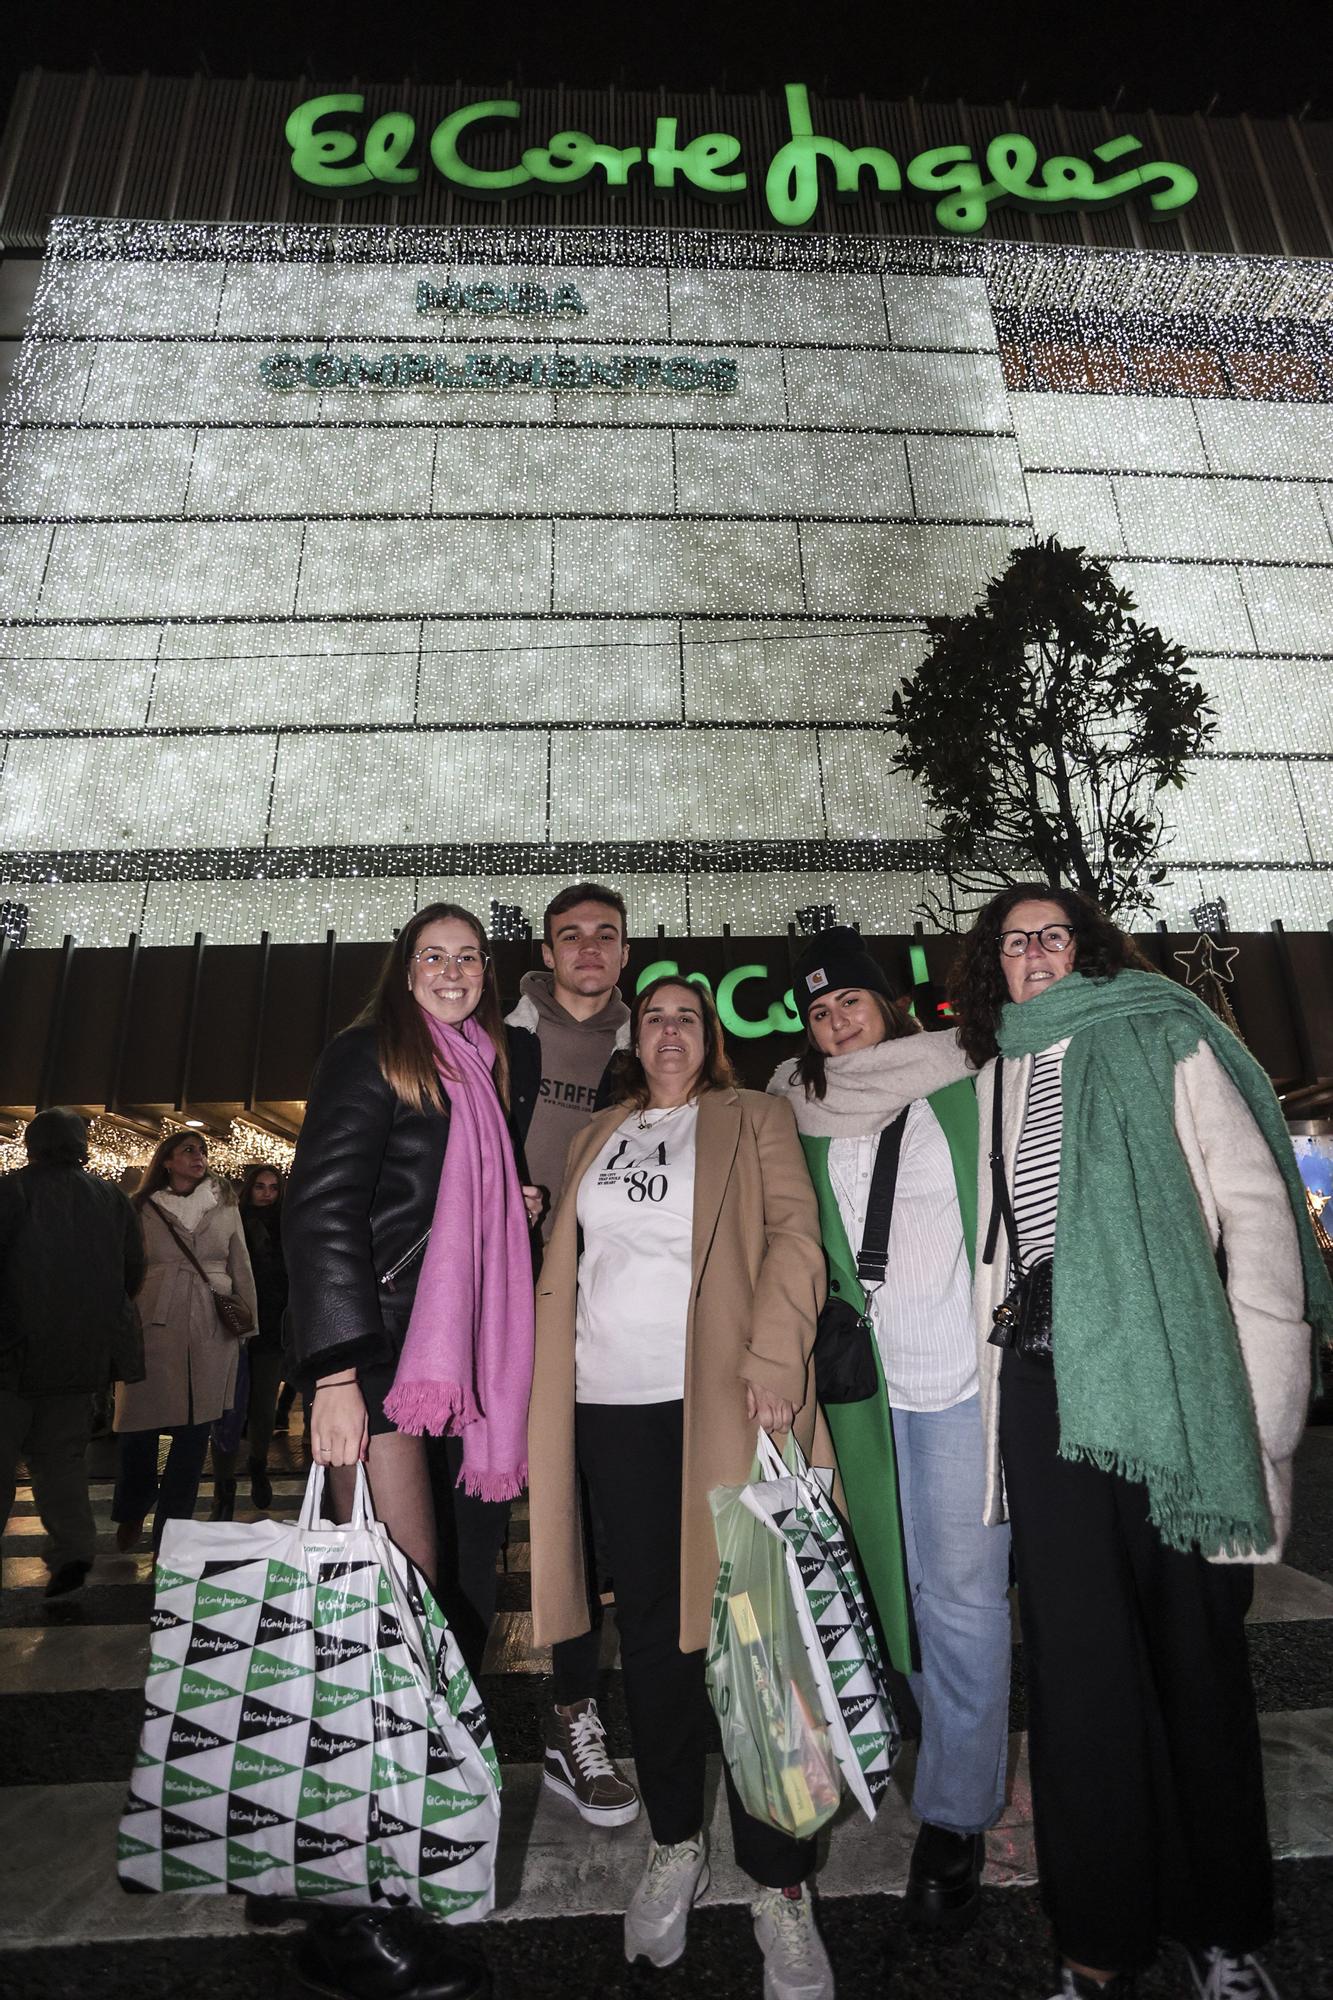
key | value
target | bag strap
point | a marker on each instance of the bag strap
(1001, 1206)
(183, 1244)
(873, 1257)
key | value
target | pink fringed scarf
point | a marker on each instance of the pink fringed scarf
(466, 1364)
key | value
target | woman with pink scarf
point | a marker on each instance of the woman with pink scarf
(406, 1231)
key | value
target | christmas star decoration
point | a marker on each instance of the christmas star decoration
(1205, 957)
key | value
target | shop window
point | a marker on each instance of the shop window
(1179, 371)
(1276, 378)
(1072, 365)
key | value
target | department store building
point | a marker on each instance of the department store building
(447, 492)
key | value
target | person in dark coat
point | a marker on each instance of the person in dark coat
(71, 1260)
(261, 1219)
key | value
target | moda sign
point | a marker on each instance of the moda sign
(336, 153)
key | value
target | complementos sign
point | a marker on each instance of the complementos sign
(335, 153)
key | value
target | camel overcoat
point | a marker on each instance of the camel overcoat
(758, 1284)
(190, 1361)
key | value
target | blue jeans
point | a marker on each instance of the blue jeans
(138, 1490)
(958, 1573)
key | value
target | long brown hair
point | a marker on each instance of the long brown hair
(809, 1069)
(406, 1051)
(251, 1175)
(717, 1073)
(976, 982)
(155, 1176)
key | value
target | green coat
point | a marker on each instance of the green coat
(863, 1432)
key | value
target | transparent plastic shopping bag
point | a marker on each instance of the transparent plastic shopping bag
(310, 1730)
(760, 1678)
(834, 1617)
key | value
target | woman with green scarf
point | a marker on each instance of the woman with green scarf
(883, 1108)
(1134, 1157)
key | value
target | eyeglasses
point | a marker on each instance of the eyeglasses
(1051, 937)
(432, 960)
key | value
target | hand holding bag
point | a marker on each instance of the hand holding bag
(234, 1315)
(843, 1655)
(310, 1730)
(760, 1679)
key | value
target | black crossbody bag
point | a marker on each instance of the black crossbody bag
(1022, 1320)
(844, 1355)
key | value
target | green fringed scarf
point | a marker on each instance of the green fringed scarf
(1148, 1366)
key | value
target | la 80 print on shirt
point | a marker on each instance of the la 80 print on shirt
(636, 1211)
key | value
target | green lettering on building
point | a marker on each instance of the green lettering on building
(333, 155)
(719, 374)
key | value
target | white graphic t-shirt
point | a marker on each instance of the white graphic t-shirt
(636, 1211)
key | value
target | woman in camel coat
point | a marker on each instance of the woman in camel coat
(676, 1311)
(190, 1359)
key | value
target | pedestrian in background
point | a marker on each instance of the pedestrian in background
(71, 1260)
(1144, 1299)
(261, 1218)
(675, 1315)
(196, 1253)
(888, 1121)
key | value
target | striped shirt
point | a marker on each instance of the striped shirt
(922, 1313)
(1036, 1189)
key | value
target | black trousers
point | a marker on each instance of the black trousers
(470, 1535)
(1143, 1742)
(630, 1456)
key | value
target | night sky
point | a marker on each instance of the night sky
(1269, 58)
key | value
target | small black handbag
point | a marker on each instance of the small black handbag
(844, 1354)
(1022, 1320)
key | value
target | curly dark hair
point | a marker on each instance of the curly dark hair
(976, 981)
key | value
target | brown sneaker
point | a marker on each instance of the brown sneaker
(578, 1768)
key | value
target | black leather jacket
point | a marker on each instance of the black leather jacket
(360, 1199)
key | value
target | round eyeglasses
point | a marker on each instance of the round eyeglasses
(1051, 937)
(467, 960)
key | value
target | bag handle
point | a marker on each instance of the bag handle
(312, 1509)
(1001, 1207)
(159, 1210)
(873, 1257)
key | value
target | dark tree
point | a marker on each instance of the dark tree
(1042, 727)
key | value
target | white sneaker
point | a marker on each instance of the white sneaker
(659, 1911)
(1218, 1975)
(796, 1964)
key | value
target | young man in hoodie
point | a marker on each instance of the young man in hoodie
(574, 1014)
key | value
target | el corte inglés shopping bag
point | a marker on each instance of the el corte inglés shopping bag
(760, 1679)
(833, 1616)
(311, 1730)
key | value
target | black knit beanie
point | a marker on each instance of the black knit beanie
(832, 961)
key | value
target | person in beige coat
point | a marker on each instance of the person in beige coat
(190, 1359)
(676, 1312)
(1138, 1200)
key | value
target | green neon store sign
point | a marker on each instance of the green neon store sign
(780, 1017)
(333, 156)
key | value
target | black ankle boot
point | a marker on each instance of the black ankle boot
(261, 1486)
(944, 1880)
(224, 1500)
(386, 1955)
